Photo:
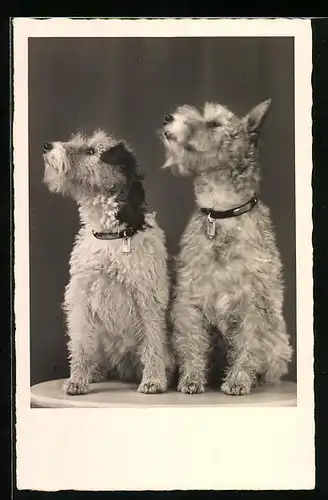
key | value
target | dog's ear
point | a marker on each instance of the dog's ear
(132, 207)
(255, 118)
(119, 155)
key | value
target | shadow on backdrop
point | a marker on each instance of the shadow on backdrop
(126, 85)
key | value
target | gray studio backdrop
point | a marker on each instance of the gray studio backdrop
(126, 85)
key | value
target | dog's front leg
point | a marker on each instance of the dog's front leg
(83, 352)
(152, 348)
(245, 354)
(191, 343)
(83, 370)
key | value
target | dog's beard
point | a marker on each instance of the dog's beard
(178, 159)
(173, 152)
(57, 159)
(172, 163)
(56, 168)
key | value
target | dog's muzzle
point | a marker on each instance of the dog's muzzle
(168, 119)
(55, 157)
(169, 136)
(166, 135)
(48, 146)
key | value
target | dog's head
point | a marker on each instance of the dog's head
(212, 140)
(90, 165)
(84, 167)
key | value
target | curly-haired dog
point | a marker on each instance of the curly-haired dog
(229, 272)
(117, 295)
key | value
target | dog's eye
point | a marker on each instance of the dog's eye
(90, 151)
(213, 124)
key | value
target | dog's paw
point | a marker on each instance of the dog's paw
(191, 387)
(75, 388)
(239, 385)
(152, 387)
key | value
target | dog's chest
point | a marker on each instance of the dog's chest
(101, 254)
(234, 252)
(118, 259)
(237, 251)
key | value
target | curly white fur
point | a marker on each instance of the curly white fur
(234, 281)
(115, 302)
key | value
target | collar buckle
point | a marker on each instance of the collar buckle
(211, 228)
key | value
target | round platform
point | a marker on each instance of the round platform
(120, 394)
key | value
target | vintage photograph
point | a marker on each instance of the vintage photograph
(199, 298)
(163, 253)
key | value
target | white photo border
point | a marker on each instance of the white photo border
(167, 448)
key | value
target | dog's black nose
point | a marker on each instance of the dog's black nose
(168, 119)
(47, 146)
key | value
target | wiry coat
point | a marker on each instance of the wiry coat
(115, 302)
(233, 282)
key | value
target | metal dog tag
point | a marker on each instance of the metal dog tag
(210, 227)
(126, 245)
